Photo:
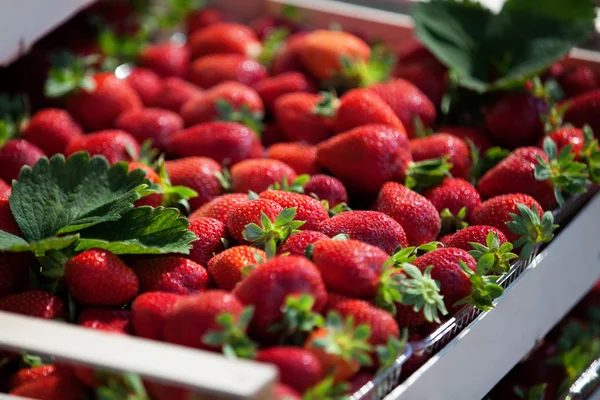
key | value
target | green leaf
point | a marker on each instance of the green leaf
(13, 243)
(10, 242)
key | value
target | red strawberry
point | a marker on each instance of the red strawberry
(250, 212)
(34, 303)
(149, 312)
(53, 387)
(287, 57)
(408, 102)
(166, 59)
(170, 274)
(412, 51)
(51, 130)
(5, 188)
(296, 117)
(371, 227)
(154, 199)
(466, 133)
(475, 234)
(258, 174)
(416, 214)
(270, 89)
(226, 267)
(202, 18)
(16, 153)
(99, 108)
(583, 109)
(514, 120)
(268, 287)
(114, 144)
(431, 80)
(452, 196)
(211, 234)
(300, 156)
(153, 124)
(175, 93)
(578, 80)
(224, 38)
(308, 209)
(106, 320)
(14, 271)
(147, 84)
(219, 207)
(298, 368)
(441, 145)
(99, 278)
(283, 392)
(7, 221)
(224, 142)
(359, 380)
(563, 137)
(197, 173)
(298, 242)
(27, 375)
(327, 188)
(213, 69)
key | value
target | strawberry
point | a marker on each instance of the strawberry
(16, 153)
(219, 207)
(147, 84)
(224, 38)
(308, 209)
(53, 387)
(578, 80)
(408, 102)
(99, 278)
(296, 117)
(327, 188)
(170, 274)
(251, 212)
(202, 18)
(34, 303)
(431, 80)
(444, 145)
(372, 227)
(416, 214)
(5, 188)
(166, 59)
(283, 392)
(154, 199)
(472, 234)
(14, 271)
(7, 221)
(113, 144)
(300, 156)
(224, 142)
(212, 236)
(227, 101)
(412, 51)
(270, 89)
(51, 130)
(106, 320)
(213, 69)
(514, 120)
(467, 133)
(287, 57)
(154, 124)
(149, 312)
(198, 174)
(359, 380)
(454, 199)
(298, 368)
(563, 137)
(175, 93)
(583, 109)
(268, 288)
(298, 242)
(27, 375)
(227, 268)
(258, 174)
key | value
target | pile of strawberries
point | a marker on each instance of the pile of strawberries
(327, 223)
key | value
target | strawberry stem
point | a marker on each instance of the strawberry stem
(451, 222)
(297, 186)
(69, 74)
(328, 106)
(298, 320)
(270, 234)
(271, 45)
(327, 389)
(423, 174)
(232, 337)
(591, 154)
(484, 288)
(252, 119)
(388, 353)
(531, 229)
(494, 258)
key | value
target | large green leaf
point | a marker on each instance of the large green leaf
(16, 244)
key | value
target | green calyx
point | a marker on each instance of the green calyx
(327, 389)
(493, 257)
(14, 115)
(328, 106)
(357, 73)
(388, 353)
(536, 392)
(591, 154)
(232, 337)
(70, 73)
(271, 45)
(335, 210)
(531, 229)
(270, 234)
(484, 288)
(451, 222)
(346, 340)
(224, 178)
(297, 186)
(243, 115)
(566, 175)
(553, 119)
(424, 174)
(298, 320)
(173, 195)
(120, 386)
(117, 50)
(483, 163)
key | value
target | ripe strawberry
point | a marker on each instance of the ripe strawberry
(296, 117)
(213, 69)
(227, 101)
(170, 274)
(51, 130)
(219, 207)
(327, 188)
(99, 278)
(300, 156)
(578, 80)
(359, 380)
(563, 137)
(441, 145)
(34, 303)
(166, 59)
(113, 144)
(175, 93)
(408, 102)
(412, 51)
(287, 57)
(431, 80)
(248, 213)
(476, 135)
(583, 109)
(224, 142)
(472, 234)
(202, 18)
(212, 236)
(5, 188)
(224, 38)
(270, 89)
(154, 124)
(454, 199)
(106, 320)
(7, 221)
(308, 209)
(514, 120)
(16, 153)
(149, 312)
(14, 270)
(53, 387)
(27, 375)
(226, 268)
(297, 243)
(268, 287)
(283, 392)
(147, 84)
(372, 227)
(258, 174)
(298, 368)
(416, 214)
(199, 174)
(154, 199)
